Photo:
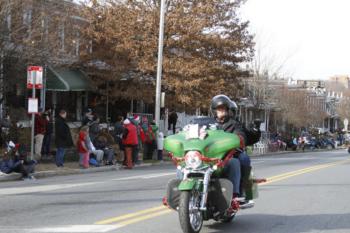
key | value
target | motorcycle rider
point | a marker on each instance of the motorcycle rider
(239, 167)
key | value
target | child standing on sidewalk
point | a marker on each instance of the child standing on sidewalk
(160, 145)
(83, 148)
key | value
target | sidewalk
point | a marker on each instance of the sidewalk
(49, 169)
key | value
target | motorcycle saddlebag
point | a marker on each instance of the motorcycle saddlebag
(220, 194)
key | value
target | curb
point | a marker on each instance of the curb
(9, 177)
(63, 172)
(272, 153)
(155, 164)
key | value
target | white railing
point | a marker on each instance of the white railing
(259, 148)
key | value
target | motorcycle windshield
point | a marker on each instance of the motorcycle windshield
(216, 144)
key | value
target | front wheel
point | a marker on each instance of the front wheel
(191, 218)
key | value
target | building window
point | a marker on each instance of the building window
(5, 23)
(61, 36)
(90, 46)
(76, 44)
(45, 29)
(8, 22)
(27, 20)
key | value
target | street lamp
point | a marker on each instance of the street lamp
(160, 62)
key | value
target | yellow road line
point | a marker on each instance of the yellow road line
(301, 171)
(142, 215)
(304, 169)
(127, 216)
(290, 173)
(145, 217)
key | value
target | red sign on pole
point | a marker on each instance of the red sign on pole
(35, 73)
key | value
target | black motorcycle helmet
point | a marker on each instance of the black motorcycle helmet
(223, 100)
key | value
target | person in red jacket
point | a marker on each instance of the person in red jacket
(83, 148)
(130, 141)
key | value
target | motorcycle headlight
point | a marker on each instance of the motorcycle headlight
(193, 159)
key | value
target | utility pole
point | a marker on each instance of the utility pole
(2, 84)
(33, 121)
(107, 103)
(34, 80)
(43, 90)
(160, 61)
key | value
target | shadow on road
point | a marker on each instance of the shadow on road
(265, 223)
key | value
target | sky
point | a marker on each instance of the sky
(309, 39)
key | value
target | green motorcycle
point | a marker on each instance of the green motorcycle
(201, 192)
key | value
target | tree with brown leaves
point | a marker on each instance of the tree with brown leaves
(204, 44)
(35, 32)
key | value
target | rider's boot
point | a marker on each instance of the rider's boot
(234, 204)
(246, 183)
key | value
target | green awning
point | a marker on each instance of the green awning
(65, 79)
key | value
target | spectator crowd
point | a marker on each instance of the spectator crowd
(126, 142)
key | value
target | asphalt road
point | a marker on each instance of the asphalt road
(305, 192)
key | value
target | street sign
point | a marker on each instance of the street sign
(35, 74)
(34, 81)
(32, 105)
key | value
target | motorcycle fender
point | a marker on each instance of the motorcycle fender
(188, 184)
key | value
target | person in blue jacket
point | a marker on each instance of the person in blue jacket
(17, 164)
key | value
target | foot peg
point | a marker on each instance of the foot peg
(258, 181)
(165, 202)
(240, 199)
(248, 205)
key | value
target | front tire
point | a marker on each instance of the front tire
(191, 218)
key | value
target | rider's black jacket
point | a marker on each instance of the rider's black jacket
(250, 136)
